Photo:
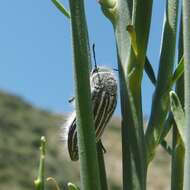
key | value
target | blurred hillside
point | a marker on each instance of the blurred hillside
(22, 125)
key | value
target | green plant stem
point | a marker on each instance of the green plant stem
(130, 73)
(186, 43)
(89, 169)
(177, 172)
(120, 19)
(177, 161)
(39, 182)
(61, 8)
(103, 178)
(132, 108)
(130, 64)
(160, 104)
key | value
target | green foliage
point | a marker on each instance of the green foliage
(21, 125)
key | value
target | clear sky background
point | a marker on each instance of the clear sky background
(36, 52)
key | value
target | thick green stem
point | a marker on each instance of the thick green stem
(160, 104)
(186, 42)
(89, 169)
(131, 63)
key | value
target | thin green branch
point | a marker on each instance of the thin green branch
(60, 6)
(39, 182)
(89, 169)
(103, 178)
(149, 71)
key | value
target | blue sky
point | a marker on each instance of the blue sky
(36, 53)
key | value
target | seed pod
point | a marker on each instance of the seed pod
(104, 99)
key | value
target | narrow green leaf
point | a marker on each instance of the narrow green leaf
(178, 114)
(177, 172)
(179, 71)
(72, 186)
(60, 6)
(149, 71)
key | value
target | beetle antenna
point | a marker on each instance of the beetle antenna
(95, 64)
(94, 56)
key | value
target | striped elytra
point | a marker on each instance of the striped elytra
(104, 99)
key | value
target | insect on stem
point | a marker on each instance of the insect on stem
(104, 99)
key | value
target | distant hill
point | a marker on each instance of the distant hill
(22, 125)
